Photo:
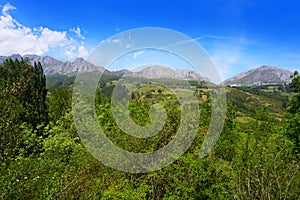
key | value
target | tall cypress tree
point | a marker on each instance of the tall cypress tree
(22, 100)
(293, 130)
(34, 99)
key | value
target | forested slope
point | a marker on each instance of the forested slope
(42, 156)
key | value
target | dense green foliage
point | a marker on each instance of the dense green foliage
(22, 104)
(42, 157)
(293, 129)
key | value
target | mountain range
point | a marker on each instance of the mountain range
(162, 72)
(264, 75)
(53, 66)
(260, 76)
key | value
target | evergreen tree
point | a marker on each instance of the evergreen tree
(22, 103)
(293, 130)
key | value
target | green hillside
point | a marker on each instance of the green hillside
(43, 156)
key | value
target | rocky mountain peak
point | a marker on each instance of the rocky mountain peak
(158, 71)
(78, 60)
(264, 75)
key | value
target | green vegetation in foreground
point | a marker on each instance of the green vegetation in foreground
(42, 157)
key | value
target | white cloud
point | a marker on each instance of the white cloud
(82, 51)
(16, 38)
(52, 38)
(7, 7)
(138, 53)
(77, 31)
(70, 51)
(114, 41)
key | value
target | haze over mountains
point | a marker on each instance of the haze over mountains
(260, 76)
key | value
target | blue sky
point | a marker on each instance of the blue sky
(237, 34)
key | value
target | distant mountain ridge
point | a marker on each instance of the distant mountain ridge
(163, 72)
(53, 66)
(264, 75)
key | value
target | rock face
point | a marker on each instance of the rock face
(52, 66)
(14, 56)
(163, 72)
(264, 75)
